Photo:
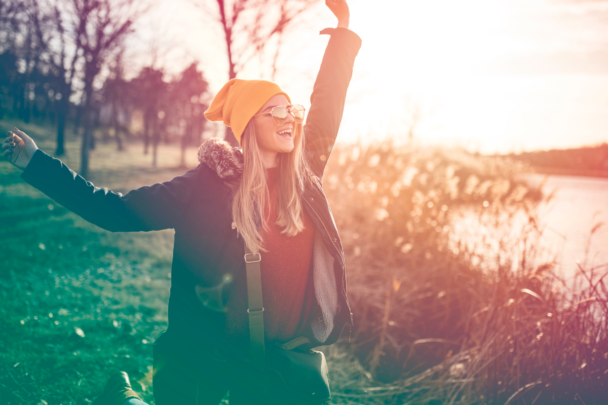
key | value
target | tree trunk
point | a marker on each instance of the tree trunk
(77, 120)
(94, 124)
(30, 105)
(88, 130)
(228, 135)
(119, 145)
(147, 125)
(155, 139)
(61, 117)
(186, 139)
(116, 123)
(182, 159)
(24, 104)
(84, 152)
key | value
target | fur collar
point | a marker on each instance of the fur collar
(223, 159)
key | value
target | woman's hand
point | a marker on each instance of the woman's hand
(18, 148)
(340, 10)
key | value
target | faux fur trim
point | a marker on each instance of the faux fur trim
(222, 158)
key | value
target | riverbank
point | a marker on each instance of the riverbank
(588, 161)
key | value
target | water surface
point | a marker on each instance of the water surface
(579, 204)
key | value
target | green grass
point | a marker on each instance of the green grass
(78, 302)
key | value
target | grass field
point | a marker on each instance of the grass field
(78, 302)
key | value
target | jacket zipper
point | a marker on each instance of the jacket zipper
(338, 250)
(324, 227)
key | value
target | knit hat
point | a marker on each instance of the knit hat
(239, 100)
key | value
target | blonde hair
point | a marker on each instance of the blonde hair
(251, 194)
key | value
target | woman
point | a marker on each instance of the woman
(267, 195)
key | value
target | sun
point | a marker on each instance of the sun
(432, 50)
(430, 37)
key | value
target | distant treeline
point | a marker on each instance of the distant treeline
(585, 161)
(62, 64)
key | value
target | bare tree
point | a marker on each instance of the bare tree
(11, 21)
(249, 26)
(286, 14)
(29, 47)
(45, 49)
(22, 25)
(64, 64)
(102, 26)
(150, 89)
(117, 94)
(186, 94)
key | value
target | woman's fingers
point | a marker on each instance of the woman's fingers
(12, 138)
(9, 142)
(22, 135)
(340, 9)
(8, 147)
(18, 148)
(17, 140)
(7, 153)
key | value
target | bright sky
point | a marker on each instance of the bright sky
(489, 75)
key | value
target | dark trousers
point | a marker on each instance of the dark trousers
(199, 376)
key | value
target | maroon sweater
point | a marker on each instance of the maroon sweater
(285, 274)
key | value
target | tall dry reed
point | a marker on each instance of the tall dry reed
(454, 298)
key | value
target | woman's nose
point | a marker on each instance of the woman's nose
(290, 117)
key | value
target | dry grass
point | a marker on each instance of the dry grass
(454, 299)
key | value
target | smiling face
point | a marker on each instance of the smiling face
(272, 139)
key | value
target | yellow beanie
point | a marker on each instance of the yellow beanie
(239, 100)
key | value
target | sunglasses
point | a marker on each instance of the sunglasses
(279, 113)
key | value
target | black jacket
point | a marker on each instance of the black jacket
(208, 255)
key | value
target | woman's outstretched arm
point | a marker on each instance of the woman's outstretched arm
(329, 93)
(149, 208)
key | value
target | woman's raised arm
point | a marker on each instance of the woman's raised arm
(149, 208)
(329, 93)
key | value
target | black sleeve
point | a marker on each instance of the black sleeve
(149, 208)
(329, 95)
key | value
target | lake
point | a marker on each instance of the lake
(578, 204)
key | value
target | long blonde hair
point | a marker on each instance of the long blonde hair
(251, 194)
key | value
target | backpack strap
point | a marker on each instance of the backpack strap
(256, 306)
